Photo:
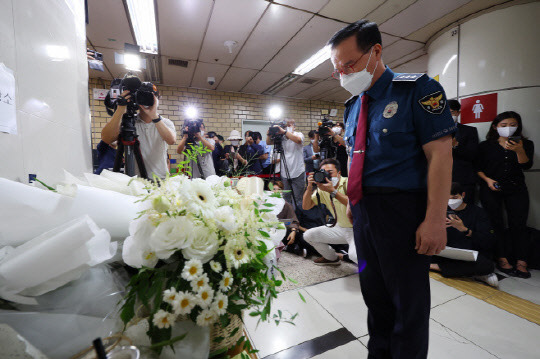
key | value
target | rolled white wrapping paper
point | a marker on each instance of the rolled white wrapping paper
(26, 211)
(54, 258)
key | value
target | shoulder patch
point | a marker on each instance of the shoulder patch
(433, 103)
(408, 77)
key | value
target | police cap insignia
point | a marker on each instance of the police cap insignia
(433, 103)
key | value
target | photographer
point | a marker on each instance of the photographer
(293, 175)
(467, 227)
(205, 161)
(155, 134)
(500, 163)
(310, 158)
(334, 190)
(249, 154)
(217, 153)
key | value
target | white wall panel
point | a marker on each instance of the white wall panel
(52, 93)
(501, 50)
(443, 61)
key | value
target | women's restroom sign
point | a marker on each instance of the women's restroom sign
(479, 108)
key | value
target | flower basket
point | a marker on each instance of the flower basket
(217, 331)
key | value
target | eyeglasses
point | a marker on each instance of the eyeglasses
(348, 70)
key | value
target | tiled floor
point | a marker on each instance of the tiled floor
(332, 324)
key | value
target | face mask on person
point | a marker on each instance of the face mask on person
(455, 203)
(455, 118)
(235, 142)
(312, 141)
(506, 131)
(336, 130)
(202, 133)
(290, 129)
(358, 82)
(335, 181)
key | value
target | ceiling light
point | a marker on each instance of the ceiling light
(321, 56)
(143, 20)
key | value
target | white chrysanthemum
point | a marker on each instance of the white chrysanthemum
(205, 296)
(199, 283)
(163, 319)
(225, 220)
(184, 303)
(206, 317)
(216, 266)
(170, 296)
(236, 254)
(171, 235)
(220, 304)
(226, 282)
(202, 198)
(192, 269)
(203, 246)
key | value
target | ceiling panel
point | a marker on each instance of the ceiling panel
(327, 93)
(400, 49)
(323, 71)
(388, 40)
(307, 42)
(340, 95)
(203, 70)
(350, 10)
(414, 66)
(266, 40)
(262, 81)
(425, 33)
(419, 15)
(176, 75)
(231, 20)
(388, 10)
(319, 88)
(181, 27)
(407, 58)
(309, 5)
(108, 20)
(293, 89)
(235, 79)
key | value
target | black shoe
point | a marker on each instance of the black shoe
(508, 271)
(520, 274)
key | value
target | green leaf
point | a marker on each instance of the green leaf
(219, 339)
(264, 234)
(128, 309)
(271, 186)
(254, 314)
(168, 342)
(235, 330)
(268, 204)
(302, 297)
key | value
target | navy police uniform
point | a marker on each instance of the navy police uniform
(405, 111)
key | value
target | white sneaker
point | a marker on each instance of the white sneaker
(490, 279)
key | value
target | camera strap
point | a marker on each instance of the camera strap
(325, 221)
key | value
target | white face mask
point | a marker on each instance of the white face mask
(336, 130)
(312, 141)
(290, 129)
(506, 131)
(235, 142)
(455, 118)
(455, 203)
(358, 82)
(202, 133)
(335, 181)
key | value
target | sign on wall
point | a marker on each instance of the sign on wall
(99, 94)
(479, 108)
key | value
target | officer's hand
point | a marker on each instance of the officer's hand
(491, 184)
(327, 187)
(349, 212)
(430, 238)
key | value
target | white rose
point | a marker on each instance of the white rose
(137, 255)
(203, 246)
(170, 235)
(225, 219)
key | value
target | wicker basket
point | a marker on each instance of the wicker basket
(217, 331)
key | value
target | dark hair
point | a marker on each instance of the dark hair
(493, 135)
(278, 183)
(220, 138)
(250, 133)
(311, 134)
(331, 161)
(211, 134)
(367, 34)
(340, 124)
(454, 105)
(256, 136)
(456, 189)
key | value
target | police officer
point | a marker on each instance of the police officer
(399, 129)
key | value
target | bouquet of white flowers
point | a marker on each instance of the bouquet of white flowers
(201, 250)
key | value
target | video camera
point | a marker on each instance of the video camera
(273, 132)
(325, 128)
(193, 127)
(142, 93)
(328, 148)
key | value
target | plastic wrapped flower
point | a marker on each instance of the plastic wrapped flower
(199, 283)
(220, 304)
(216, 266)
(192, 269)
(205, 296)
(226, 282)
(206, 317)
(184, 303)
(163, 319)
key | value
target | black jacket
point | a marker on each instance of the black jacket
(477, 220)
(464, 153)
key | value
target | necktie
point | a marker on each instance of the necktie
(354, 187)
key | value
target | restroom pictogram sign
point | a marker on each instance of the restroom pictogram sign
(479, 108)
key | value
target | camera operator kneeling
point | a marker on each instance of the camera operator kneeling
(334, 189)
(205, 162)
(467, 227)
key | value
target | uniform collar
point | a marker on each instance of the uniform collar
(376, 91)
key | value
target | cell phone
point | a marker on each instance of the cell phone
(450, 212)
(514, 139)
(497, 185)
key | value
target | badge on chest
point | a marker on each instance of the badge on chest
(390, 109)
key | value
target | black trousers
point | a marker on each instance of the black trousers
(516, 203)
(454, 268)
(299, 244)
(395, 280)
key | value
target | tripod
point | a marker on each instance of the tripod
(129, 146)
(278, 149)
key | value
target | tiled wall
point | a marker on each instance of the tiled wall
(221, 111)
